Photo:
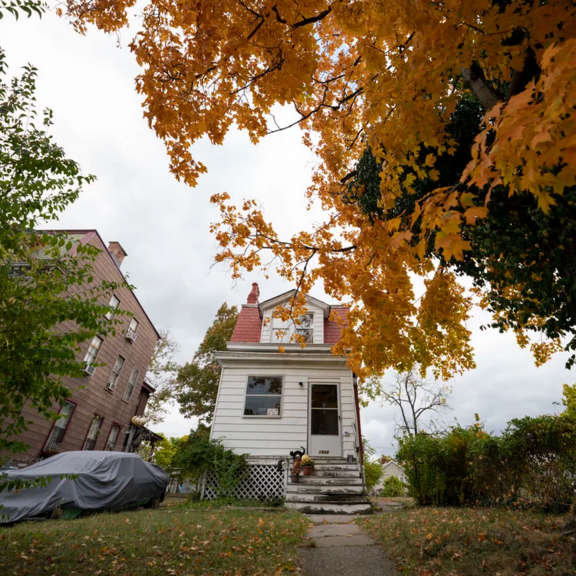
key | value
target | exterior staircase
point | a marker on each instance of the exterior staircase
(335, 487)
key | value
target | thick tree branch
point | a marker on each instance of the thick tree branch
(481, 87)
(313, 19)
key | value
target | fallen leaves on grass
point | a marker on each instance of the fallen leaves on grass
(467, 541)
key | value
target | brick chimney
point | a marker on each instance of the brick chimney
(118, 253)
(253, 296)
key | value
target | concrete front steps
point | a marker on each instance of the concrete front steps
(335, 487)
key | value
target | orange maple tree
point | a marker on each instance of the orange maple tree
(363, 74)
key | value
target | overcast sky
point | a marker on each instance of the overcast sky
(164, 226)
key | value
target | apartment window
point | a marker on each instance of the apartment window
(263, 396)
(60, 426)
(115, 374)
(112, 437)
(131, 334)
(131, 384)
(93, 433)
(93, 350)
(283, 331)
(113, 304)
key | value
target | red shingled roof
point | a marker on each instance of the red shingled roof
(249, 325)
(332, 330)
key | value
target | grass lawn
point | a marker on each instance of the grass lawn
(428, 541)
(171, 541)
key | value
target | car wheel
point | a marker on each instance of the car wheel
(154, 502)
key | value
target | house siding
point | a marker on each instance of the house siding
(278, 436)
(89, 393)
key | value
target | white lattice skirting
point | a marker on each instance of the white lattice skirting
(265, 482)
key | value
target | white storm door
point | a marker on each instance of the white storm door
(324, 437)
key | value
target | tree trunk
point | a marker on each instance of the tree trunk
(481, 87)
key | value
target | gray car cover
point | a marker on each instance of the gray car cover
(105, 481)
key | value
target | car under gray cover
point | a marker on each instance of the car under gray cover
(103, 481)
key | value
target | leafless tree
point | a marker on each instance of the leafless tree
(414, 396)
(162, 376)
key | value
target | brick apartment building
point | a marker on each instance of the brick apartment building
(99, 413)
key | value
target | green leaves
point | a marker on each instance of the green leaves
(27, 6)
(198, 380)
(49, 302)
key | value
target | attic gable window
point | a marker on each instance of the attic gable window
(282, 332)
(263, 396)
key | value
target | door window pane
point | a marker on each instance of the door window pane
(325, 422)
(324, 396)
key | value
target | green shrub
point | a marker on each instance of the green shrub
(372, 473)
(393, 487)
(198, 455)
(373, 469)
(532, 463)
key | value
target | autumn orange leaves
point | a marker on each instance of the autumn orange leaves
(363, 74)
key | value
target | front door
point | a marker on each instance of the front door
(324, 429)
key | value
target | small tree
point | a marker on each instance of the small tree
(414, 396)
(198, 380)
(373, 469)
(49, 302)
(393, 487)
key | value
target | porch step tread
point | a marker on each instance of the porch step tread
(323, 480)
(335, 467)
(322, 473)
(321, 498)
(311, 489)
(330, 507)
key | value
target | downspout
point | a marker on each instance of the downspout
(357, 402)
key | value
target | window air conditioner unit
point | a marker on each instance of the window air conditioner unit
(89, 369)
(131, 336)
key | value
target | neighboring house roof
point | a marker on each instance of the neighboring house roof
(249, 325)
(85, 236)
(389, 463)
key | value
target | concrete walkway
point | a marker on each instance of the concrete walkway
(340, 548)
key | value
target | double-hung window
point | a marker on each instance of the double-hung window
(93, 432)
(113, 304)
(263, 396)
(112, 437)
(59, 429)
(283, 331)
(131, 384)
(115, 374)
(93, 350)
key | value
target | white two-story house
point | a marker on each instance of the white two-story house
(273, 401)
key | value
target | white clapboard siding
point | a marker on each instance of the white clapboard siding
(259, 436)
